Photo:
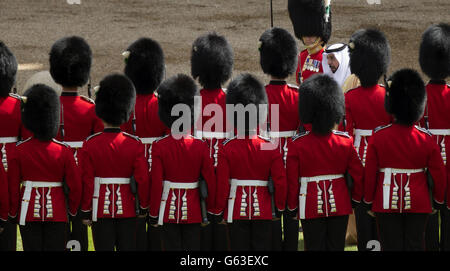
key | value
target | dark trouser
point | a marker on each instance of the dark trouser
(251, 235)
(277, 235)
(325, 234)
(445, 228)
(110, 233)
(432, 233)
(141, 234)
(44, 236)
(207, 237)
(215, 237)
(8, 238)
(181, 237)
(290, 233)
(78, 231)
(154, 238)
(402, 232)
(366, 227)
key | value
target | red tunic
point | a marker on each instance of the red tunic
(312, 155)
(114, 154)
(249, 159)
(44, 161)
(314, 65)
(4, 195)
(181, 161)
(403, 147)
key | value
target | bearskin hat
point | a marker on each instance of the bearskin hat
(322, 103)
(278, 53)
(8, 70)
(434, 54)
(70, 61)
(115, 99)
(310, 18)
(405, 96)
(145, 65)
(246, 90)
(211, 60)
(41, 111)
(178, 89)
(370, 55)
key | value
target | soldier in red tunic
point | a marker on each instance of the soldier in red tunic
(44, 180)
(319, 164)
(212, 65)
(70, 65)
(312, 26)
(247, 162)
(144, 65)
(179, 161)
(434, 58)
(364, 107)
(400, 158)
(113, 163)
(278, 59)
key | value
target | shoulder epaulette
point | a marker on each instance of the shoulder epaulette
(132, 136)
(159, 139)
(91, 136)
(14, 95)
(423, 130)
(381, 85)
(381, 128)
(264, 138)
(340, 133)
(224, 90)
(228, 140)
(61, 143)
(87, 99)
(301, 134)
(292, 86)
(23, 141)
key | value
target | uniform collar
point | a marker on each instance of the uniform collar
(437, 82)
(112, 130)
(69, 93)
(277, 82)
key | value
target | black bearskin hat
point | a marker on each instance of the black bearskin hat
(8, 70)
(246, 90)
(278, 53)
(211, 60)
(322, 103)
(178, 89)
(309, 18)
(370, 55)
(41, 111)
(145, 65)
(70, 61)
(115, 99)
(405, 96)
(434, 55)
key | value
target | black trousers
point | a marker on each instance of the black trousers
(154, 237)
(432, 233)
(78, 231)
(141, 234)
(366, 227)
(325, 234)
(181, 237)
(8, 238)
(251, 235)
(215, 237)
(118, 233)
(44, 236)
(402, 232)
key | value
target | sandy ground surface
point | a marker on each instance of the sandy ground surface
(29, 28)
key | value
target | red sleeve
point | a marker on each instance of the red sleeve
(349, 125)
(223, 185)
(141, 174)
(157, 177)
(87, 178)
(437, 170)
(4, 194)
(370, 173)
(210, 178)
(73, 181)
(278, 173)
(356, 170)
(292, 172)
(14, 177)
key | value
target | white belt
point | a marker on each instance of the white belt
(29, 185)
(74, 144)
(281, 134)
(217, 135)
(4, 140)
(441, 132)
(148, 140)
(360, 133)
(97, 182)
(304, 188)
(233, 188)
(387, 181)
(166, 189)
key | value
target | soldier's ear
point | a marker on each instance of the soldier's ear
(126, 55)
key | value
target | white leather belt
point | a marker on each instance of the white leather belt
(304, 188)
(441, 132)
(359, 133)
(29, 185)
(281, 134)
(234, 183)
(5, 140)
(97, 182)
(387, 181)
(148, 140)
(166, 189)
(74, 144)
(217, 135)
